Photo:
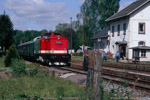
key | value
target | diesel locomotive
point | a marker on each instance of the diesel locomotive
(50, 48)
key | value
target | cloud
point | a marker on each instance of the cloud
(42, 14)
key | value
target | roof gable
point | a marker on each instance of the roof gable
(128, 10)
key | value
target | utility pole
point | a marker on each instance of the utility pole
(71, 33)
(83, 32)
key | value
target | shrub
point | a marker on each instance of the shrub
(32, 71)
(18, 66)
(11, 54)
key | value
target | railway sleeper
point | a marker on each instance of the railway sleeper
(127, 74)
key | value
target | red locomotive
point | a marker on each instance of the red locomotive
(50, 48)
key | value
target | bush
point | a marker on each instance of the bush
(18, 66)
(32, 71)
(11, 54)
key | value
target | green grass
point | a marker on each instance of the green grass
(39, 86)
(111, 59)
(77, 57)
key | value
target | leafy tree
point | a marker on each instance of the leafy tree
(94, 12)
(6, 31)
(28, 35)
(11, 54)
(65, 30)
(107, 9)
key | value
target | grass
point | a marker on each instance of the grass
(39, 86)
(77, 57)
(111, 59)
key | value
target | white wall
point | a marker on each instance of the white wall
(140, 16)
(116, 38)
(132, 37)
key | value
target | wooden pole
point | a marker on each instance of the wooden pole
(94, 74)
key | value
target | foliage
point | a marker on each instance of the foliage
(18, 66)
(40, 86)
(107, 9)
(28, 35)
(11, 54)
(6, 31)
(32, 71)
(66, 31)
(94, 12)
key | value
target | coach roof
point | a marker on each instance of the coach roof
(128, 10)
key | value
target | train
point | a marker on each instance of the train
(49, 48)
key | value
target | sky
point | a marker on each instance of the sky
(43, 14)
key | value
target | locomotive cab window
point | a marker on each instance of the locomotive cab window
(46, 36)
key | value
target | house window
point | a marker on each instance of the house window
(143, 53)
(124, 29)
(141, 43)
(118, 30)
(141, 28)
(112, 31)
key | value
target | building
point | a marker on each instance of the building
(129, 31)
(101, 40)
(80, 49)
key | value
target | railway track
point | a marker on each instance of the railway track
(107, 75)
(134, 81)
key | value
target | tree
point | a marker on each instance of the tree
(28, 35)
(107, 9)
(95, 12)
(11, 54)
(6, 31)
(65, 30)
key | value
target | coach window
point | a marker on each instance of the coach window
(141, 28)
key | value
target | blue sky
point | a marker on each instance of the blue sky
(43, 14)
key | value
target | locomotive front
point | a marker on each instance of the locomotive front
(53, 49)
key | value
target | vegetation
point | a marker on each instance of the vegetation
(95, 12)
(28, 35)
(40, 86)
(18, 67)
(6, 31)
(11, 54)
(107, 9)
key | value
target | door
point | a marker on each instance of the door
(122, 49)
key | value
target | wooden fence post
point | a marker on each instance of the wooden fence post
(94, 74)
